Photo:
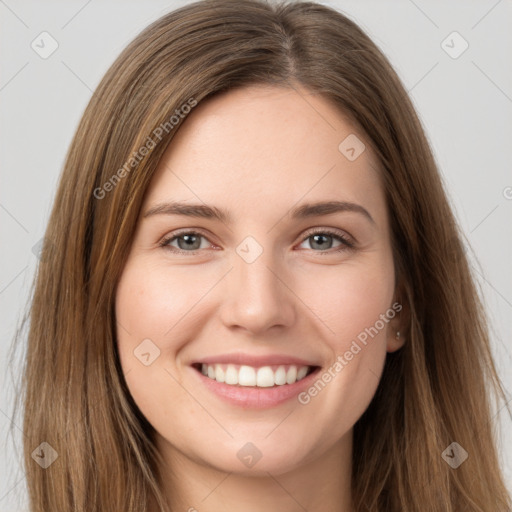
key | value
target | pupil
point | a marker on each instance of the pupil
(189, 241)
(316, 237)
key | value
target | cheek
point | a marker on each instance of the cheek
(152, 304)
(149, 309)
(157, 313)
(141, 307)
(354, 304)
(351, 300)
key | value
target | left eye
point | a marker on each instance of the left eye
(321, 239)
(190, 241)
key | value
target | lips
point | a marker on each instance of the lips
(255, 361)
(254, 397)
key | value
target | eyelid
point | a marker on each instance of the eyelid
(348, 240)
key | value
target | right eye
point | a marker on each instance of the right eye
(187, 242)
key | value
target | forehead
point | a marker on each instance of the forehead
(253, 148)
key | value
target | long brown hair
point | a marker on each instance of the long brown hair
(434, 391)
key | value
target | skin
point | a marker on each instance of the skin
(258, 152)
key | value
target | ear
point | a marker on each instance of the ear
(396, 331)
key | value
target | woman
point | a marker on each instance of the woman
(256, 292)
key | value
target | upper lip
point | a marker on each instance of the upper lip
(255, 361)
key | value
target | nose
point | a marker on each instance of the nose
(258, 296)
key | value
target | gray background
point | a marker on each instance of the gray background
(465, 104)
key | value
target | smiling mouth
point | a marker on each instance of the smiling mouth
(258, 377)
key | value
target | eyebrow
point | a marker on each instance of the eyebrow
(211, 212)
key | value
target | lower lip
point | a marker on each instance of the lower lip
(254, 397)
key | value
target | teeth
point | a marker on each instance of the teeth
(301, 373)
(280, 376)
(231, 375)
(291, 375)
(246, 376)
(264, 377)
(220, 376)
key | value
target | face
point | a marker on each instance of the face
(259, 279)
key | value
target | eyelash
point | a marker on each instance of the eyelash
(346, 244)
